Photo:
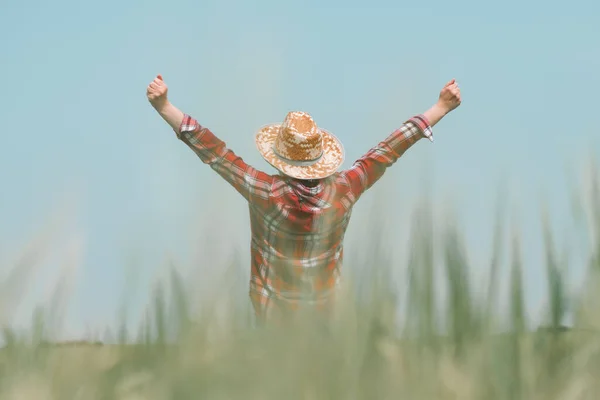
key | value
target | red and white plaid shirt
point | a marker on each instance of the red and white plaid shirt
(298, 230)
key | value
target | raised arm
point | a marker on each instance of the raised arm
(254, 185)
(370, 168)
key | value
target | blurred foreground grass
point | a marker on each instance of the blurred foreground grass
(463, 349)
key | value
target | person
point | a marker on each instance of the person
(298, 216)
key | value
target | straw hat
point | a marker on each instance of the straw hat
(299, 148)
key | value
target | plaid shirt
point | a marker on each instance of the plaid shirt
(297, 230)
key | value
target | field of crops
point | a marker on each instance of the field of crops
(459, 350)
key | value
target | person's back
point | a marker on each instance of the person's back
(299, 236)
(298, 217)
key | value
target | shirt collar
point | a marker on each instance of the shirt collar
(303, 190)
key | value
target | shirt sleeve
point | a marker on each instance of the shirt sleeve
(370, 168)
(254, 185)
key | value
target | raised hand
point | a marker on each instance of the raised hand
(157, 92)
(450, 96)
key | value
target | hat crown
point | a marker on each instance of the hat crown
(299, 138)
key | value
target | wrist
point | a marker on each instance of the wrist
(441, 109)
(161, 106)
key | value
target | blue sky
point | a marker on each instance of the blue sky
(77, 134)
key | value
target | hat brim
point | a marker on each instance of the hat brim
(327, 165)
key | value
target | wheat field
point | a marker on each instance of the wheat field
(454, 346)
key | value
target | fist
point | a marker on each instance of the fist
(450, 96)
(157, 92)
